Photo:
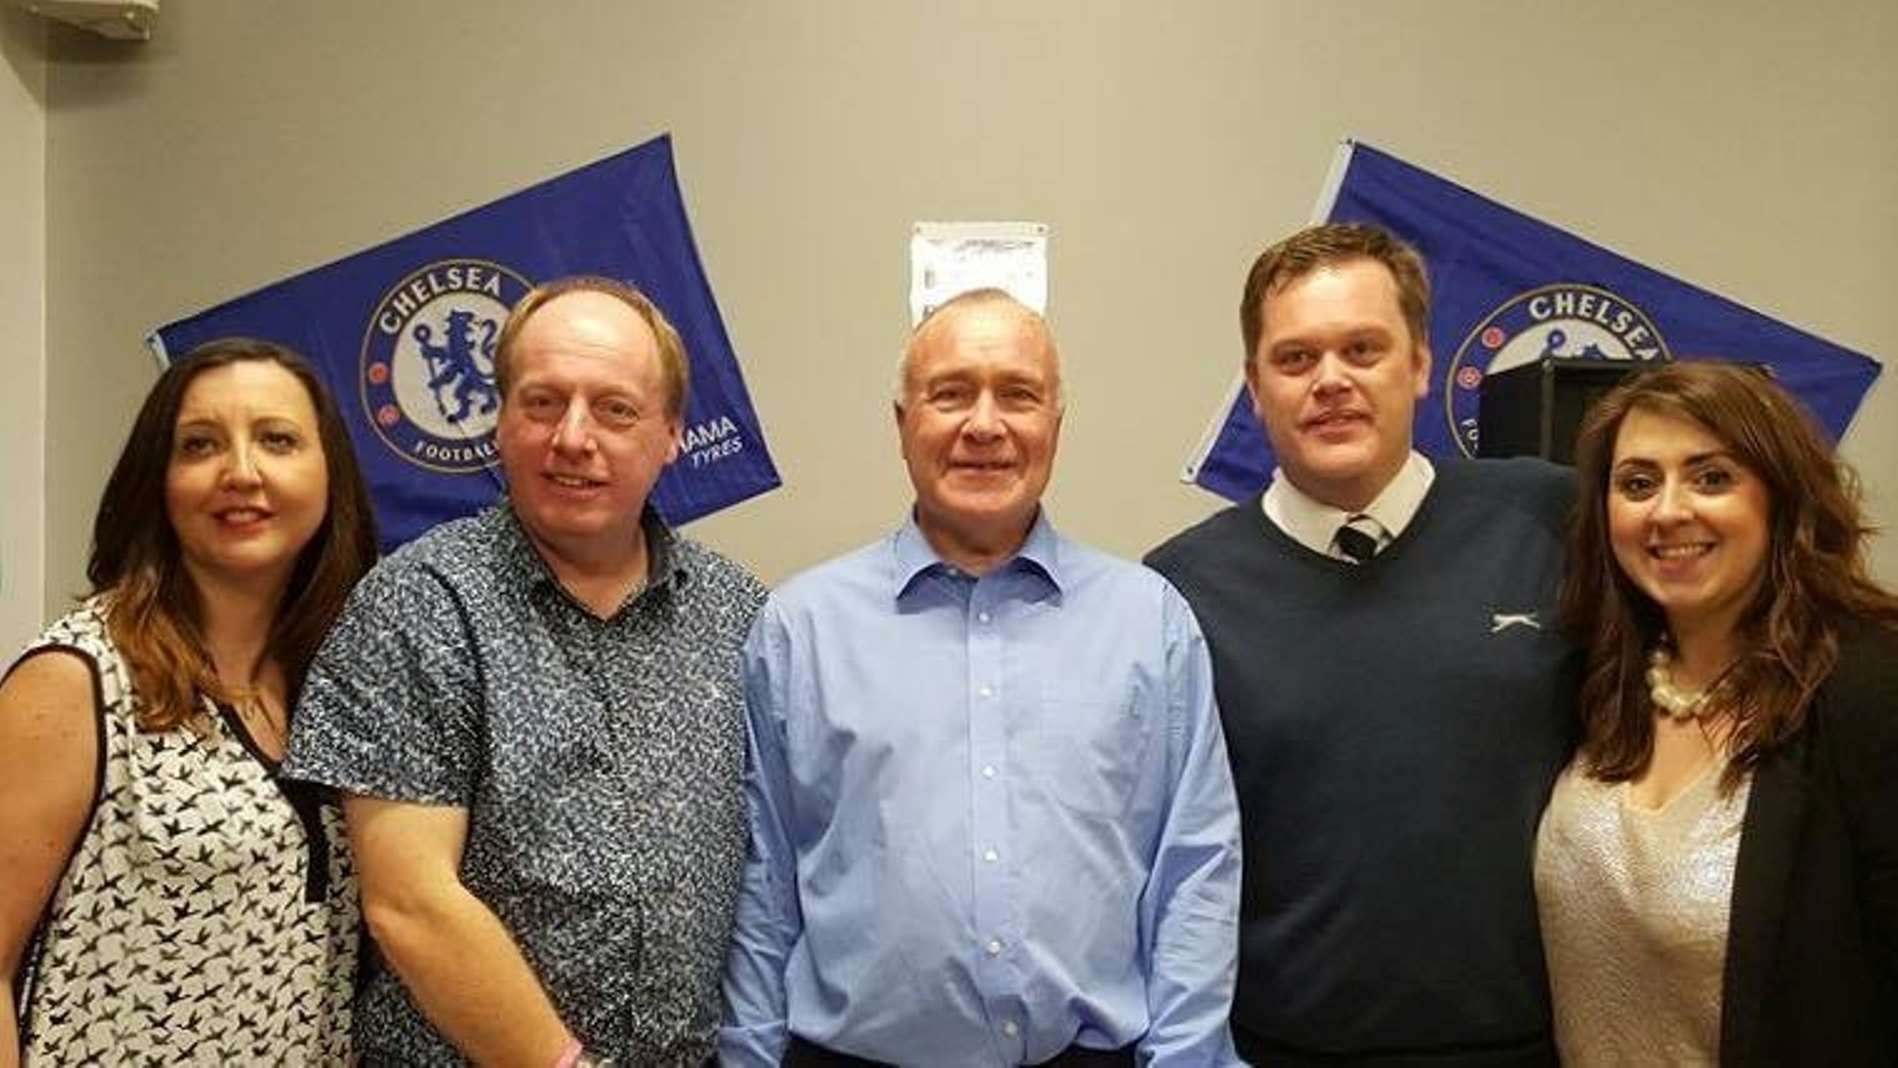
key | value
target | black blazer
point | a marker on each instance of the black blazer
(1812, 941)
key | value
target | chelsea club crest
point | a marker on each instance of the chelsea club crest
(1566, 320)
(427, 380)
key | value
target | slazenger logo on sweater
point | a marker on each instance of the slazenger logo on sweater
(1502, 621)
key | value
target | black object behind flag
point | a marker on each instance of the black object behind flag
(1536, 409)
(404, 334)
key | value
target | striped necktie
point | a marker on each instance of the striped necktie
(1356, 539)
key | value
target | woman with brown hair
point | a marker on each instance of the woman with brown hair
(166, 898)
(1717, 870)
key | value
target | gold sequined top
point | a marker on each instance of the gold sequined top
(1634, 905)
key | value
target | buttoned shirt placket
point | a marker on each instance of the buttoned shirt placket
(992, 703)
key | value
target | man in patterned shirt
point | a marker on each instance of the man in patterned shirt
(537, 720)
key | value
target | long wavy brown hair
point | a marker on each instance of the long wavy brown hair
(1816, 579)
(152, 607)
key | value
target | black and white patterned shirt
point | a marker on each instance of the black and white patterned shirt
(208, 914)
(599, 760)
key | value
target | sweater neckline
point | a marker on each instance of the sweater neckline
(1311, 558)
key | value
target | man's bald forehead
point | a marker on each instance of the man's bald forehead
(950, 312)
(986, 299)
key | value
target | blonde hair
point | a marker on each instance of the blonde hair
(673, 364)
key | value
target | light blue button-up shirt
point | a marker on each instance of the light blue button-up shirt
(990, 817)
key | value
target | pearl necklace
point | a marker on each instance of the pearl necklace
(1670, 701)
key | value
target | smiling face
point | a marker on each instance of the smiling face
(1336, 380)
(584, 430)
(1689, 524)
(247, 485)
(979, 421)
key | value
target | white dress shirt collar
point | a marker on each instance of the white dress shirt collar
(1314, 524)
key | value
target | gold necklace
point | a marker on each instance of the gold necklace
(254, 709)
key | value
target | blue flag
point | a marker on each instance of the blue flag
(404, 335)
(1507, 290)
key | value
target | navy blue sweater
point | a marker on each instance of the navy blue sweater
(1394, 729)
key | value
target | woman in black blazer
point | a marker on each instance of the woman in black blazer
(1717, 870)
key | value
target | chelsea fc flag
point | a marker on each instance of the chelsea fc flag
(404, 335)
(1509, 290)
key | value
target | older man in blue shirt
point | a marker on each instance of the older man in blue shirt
(992, 821)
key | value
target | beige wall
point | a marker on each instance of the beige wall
(23, 326)
(1748, 147)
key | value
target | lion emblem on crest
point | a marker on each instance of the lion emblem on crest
(455, 365)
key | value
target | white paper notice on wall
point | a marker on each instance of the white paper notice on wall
(946, 258)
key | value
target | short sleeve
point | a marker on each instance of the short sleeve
(388, 708)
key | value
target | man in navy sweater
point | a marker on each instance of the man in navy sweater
(1396, 701)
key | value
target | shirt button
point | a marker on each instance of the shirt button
(995, 950)
(988, 771)
(982, 617)
(991, 856)
(986, 692)
(1010, 1028)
